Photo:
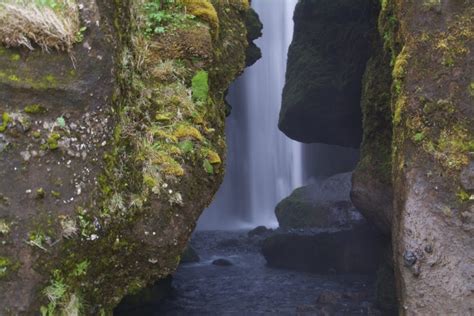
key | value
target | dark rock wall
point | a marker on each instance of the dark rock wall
(326, 61)
(414, 180)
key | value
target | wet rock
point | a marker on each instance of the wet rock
(148, 297)
(329, 297)
(222, 262)
(373, 198)
(259, 231)
(356, 250)
(322, 205)
(190, 255)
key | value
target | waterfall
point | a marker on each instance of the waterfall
(263, 165)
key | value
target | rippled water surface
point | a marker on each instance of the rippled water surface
(249, 287)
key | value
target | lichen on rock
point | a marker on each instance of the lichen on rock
(104, 177)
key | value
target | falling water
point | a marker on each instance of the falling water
(263, 165)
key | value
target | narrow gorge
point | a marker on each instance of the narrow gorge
(221, 157)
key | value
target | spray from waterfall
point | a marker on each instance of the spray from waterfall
(263, 165)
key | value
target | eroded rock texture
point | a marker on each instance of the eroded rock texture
(326, 61)
(420, 155)
(433, 118)
(109, 152)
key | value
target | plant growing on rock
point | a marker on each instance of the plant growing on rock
(50, 24)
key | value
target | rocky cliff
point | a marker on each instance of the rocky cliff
(112, 143)
(432, 45)
(415, 177)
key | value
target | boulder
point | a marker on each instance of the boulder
(259, 231)
(326, 61)
(356, 250)
(221, 262)
(324, 204)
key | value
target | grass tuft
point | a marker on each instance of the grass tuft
(50, 24)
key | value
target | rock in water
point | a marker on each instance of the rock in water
(222, 262)
(325, 204)
(357, 250)
(259, 231)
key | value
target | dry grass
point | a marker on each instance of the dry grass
(29, 22)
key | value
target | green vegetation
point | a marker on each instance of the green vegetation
(200, 86)
(208, 166)
(37, 239)
(165, 15)
(51, 24)
(6, 119)
(56, 293)
(5, 264)
(4, 227)
(52, 141)
(35, 109)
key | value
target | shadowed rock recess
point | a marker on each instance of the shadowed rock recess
(111, 149)
(414, 180)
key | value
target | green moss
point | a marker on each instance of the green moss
(200, 86)
(471, 89)
(15, 57)
(418, 137)
(40, 193)
(4, 227)
(5, 265)
(6, 119)
(56, 195)
(464, 196)
(208, 166)
(35, 109)
(204, 10)
(186, 146)
(52, 142)
(14, 78)
(211, 156)
(36, 134)
(186, 131)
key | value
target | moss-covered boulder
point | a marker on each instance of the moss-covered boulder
(110, 150)
(326, 61)
(324, 204)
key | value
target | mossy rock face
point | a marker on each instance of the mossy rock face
(372, 191)
(326, 62)
(102, 177)
(254, 27)
(433, 127)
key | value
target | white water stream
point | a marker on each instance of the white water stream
(263, 165)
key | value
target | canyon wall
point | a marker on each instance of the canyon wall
(112, 143)
(415, 177)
